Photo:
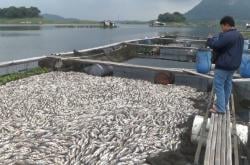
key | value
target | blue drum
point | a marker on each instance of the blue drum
(246, 45)
(203, 61)
(245, 65)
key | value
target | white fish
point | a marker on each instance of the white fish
(73, 118)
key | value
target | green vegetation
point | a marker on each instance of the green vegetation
(19, 12)
(19, 75)
(23, 15)
(214, 9)
(168, 17)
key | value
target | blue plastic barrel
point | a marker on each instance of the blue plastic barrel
(203, 61)
(245, 65)
(246, 45)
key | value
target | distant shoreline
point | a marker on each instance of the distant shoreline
(4, 27)
(42, 21)
(68, 23)
(62, 24)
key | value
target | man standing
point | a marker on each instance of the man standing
(229, 48)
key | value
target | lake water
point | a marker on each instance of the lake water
(31, 41)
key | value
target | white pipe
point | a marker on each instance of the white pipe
(242, 130)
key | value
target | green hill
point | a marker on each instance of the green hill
(215, 9)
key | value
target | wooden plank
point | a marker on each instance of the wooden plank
(203, 129)
(88, 61)
(183, 40)
(197, 74)
(214, 140)
(229, 141)
(184, 36)
(211, 77)
(209, 142)
(216, 148)
(162, 46)
(87, 56)
(218, 141)
(234, 131)
(241, 80)
(224, 137)
(190, 40)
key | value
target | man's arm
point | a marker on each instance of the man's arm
(219, 43)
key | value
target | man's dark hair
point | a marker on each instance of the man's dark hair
(227, 20)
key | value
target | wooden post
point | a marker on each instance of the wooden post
(235, 138)
(203, 129)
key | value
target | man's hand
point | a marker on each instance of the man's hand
(210, 35)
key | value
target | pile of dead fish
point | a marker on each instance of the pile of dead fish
(73, 118)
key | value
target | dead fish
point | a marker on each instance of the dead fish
(73, 118)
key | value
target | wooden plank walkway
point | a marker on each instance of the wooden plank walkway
(219, 146)
(222, 141)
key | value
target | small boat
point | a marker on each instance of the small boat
(109, 24)
(157, 24)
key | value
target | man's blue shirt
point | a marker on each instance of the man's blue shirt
(229, 49)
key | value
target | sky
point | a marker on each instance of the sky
(106, 9)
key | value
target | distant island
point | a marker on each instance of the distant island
(169, 19)
(19, 12)
(174, 17)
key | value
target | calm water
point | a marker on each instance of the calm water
(24, 42)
